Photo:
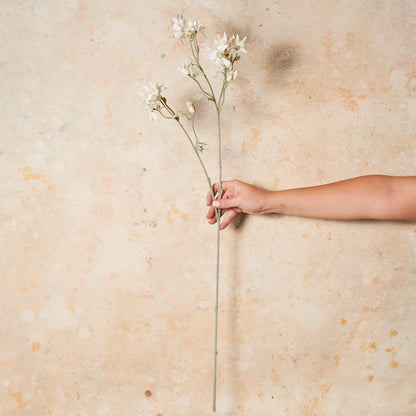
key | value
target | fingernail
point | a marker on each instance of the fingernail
(216, 204)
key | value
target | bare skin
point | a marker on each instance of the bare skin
(375, 197)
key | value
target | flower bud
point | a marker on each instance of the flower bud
(190, 106)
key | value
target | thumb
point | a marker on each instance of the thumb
(224, 203)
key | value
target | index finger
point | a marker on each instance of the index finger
(209, 198)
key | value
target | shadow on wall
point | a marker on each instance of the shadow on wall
(280, 63)
(235, 289)
(278, 66)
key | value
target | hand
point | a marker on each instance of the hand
(236, 197)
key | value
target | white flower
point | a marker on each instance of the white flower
(151, 97)
(237, 44)
(218, 53)
(183, 29)
(190, 106)
(152, 94)
(179, 28)
(230, 75)
(226, 52)
(193, 27)
(187, 68)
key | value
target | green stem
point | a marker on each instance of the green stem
(206, 93)
(214, 395)
(224, 88)
(222, 94)
(218, 106)
(199, 158)
(219, 152)
(218, 217)
(193, 129)
(165, 104)
(175, 117)
(196, 57)
(169, 118)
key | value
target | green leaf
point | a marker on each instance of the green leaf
(229, 108)
(199, 96)
(183, 114)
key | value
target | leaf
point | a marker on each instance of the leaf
(199, 96)
(201, 146)
(229, 108)
(183, 114)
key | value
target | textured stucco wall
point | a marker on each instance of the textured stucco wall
(107, 264)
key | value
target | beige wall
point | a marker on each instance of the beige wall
(107, 264)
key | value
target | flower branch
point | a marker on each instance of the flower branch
(225, 53)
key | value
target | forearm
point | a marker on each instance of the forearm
(366, 197)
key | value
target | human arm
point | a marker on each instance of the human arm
(377, 197)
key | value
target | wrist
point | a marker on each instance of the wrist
(273, 203)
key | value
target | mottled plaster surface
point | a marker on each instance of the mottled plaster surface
(107, 264)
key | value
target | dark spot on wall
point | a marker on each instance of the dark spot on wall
(148, 394)
(149, 262)
(280, 62)
(283, 57)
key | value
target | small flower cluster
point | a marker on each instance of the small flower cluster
(154, 101)
(190, 69)
(226, 52)
(183, 29)
(152, 97)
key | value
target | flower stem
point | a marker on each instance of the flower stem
(193, 129)
(218, 106)
(219, 151)
(199, 158)
(214, 395)
(196, 57)
(218, 217)
(206, 93)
